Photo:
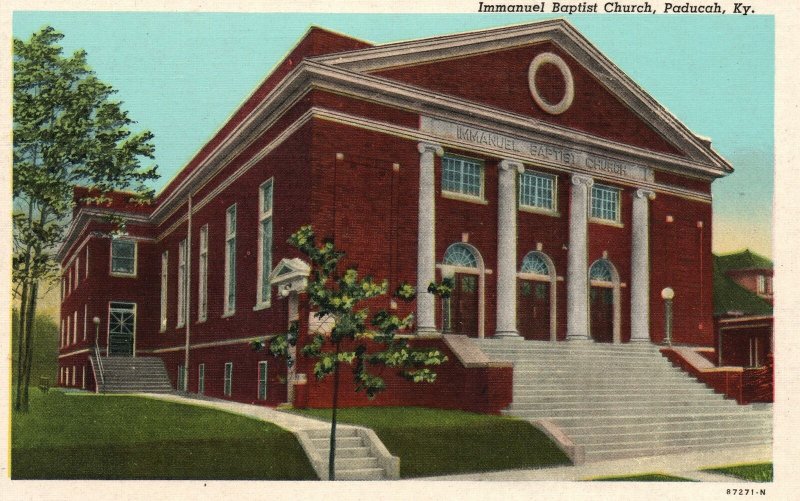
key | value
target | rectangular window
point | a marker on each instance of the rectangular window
(77, 270)
(74, 374)
(62, 288)
(181, 382)
(66, 378)
(83, 377)
(201, 379)
(202, 276)
(62, 332)
(66, 339)
(87, 262)
(123, 257)
(75, 327)
(761, 284)
(537, 190)
(230, 261)
(262, 380)
(228, 382)
(85, 319)
(605, 203)
(164, 285)
(463, 176)
(264, 243)
(182, 283)
(69, 282)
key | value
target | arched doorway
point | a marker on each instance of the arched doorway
(536, 290)
(462, 311)
(604, 304)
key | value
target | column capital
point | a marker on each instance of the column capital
(430, 147)
(511, 165)
(579, 179)
(644, 193)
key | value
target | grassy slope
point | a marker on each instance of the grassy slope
(115, 437)
(439, 442)
(760, 472)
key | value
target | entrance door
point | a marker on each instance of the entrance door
(533, 309)
(464, 305)
(121, 328)
(602, 314)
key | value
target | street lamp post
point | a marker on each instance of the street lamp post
(96, 322)
(667, 294)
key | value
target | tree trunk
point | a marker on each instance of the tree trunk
(23, 309)
(332, 452)
(29, 342)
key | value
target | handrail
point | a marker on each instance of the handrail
(99, 362)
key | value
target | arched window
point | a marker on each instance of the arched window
(601, 271)
(535, 263)
(460, 255)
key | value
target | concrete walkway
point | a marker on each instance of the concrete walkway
(287, 421)
(679, 465)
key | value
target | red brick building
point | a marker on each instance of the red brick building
(519, 162)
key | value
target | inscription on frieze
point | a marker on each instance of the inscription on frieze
(534, 151)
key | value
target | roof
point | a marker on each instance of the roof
(730, 296)
(743, 260)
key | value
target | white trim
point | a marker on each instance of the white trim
(73, 353)
(183, 251)
(75, 327)
(448, 271)
(553, 210)
(552, 278)
(85, 317)
(569, 84)
(230, 268)
(108, 326)
(264, 269)
(135, 258)
(227, 380)
(265, 363)
(164, 291)
(202, 276)
(201, 379)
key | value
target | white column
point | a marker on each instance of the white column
(426, 238)
(640, 266)
(577, 267)
(507, 249)
(294, 315)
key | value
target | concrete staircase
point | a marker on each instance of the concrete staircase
(617, 401)
(131, 375)
(359, 454)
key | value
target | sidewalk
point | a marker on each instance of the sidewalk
(679, 465)
(285, 420)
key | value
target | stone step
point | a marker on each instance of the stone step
(599, 386)
(614, 399)
(591, 411)
(326, 432)
(581, 394)
(344, 452)
(663, 420)
(627, 406)
(619, 453)
(661, 436)
(353, 463)
(361, 474)
(320, 443)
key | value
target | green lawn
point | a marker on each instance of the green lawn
(758, 472)
(440, 442)
(644, 477)
(125, 437)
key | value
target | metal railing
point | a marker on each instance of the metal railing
(99, 361)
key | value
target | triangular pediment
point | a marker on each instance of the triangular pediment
(492, 68)
(288, 270)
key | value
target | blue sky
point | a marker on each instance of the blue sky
(182, 75)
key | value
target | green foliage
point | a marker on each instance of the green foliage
(71, 436)
(67, 131)
(443, 289)
(757, 472)
(445, 442)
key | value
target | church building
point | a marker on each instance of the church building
(520, 163)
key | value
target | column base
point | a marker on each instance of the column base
(580, 339)
(640, 340)
(428, 333)
(508, 335)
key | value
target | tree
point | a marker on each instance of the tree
(367, 344)
(67, 131)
